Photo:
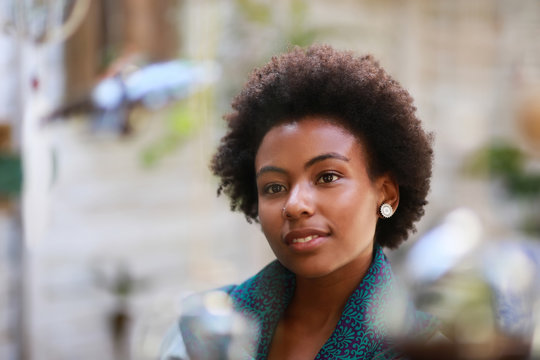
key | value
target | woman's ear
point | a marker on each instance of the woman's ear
(388, 192)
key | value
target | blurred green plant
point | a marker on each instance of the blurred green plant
(299, 33)
(255, 11)
(296, 30)
(507, 163)
(181, 122)
(11, 175)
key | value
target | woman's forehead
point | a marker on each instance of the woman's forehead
(309, 136)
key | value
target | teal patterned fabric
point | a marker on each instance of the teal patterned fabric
(363, 329)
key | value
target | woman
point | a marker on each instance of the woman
(325, 151)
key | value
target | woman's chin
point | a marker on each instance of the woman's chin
(309, 270)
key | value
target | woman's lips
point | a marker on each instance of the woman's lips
(304, 239)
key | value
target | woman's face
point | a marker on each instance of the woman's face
(317, 205)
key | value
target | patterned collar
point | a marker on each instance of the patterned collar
(361, 332)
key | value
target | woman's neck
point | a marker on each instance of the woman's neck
(314, 311)
(321, 300)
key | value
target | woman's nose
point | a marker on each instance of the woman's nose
(299, 203)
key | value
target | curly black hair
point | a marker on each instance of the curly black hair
(354, 91)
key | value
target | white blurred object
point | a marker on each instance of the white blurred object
(512, 272)
(209, 328)
(109, 93)
(43, 22)
(170, 80)
(444, 246)
(152, 86)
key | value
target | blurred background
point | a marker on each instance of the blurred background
(111, 110)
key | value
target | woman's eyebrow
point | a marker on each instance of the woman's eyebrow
(322, 157)
(266, 169)
(311, 162)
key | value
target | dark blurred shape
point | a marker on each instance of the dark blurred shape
(121, 284)
(113, 31)
(529, 120)
(5, 136)
(151, 27)
(502, 348)
(119, 322)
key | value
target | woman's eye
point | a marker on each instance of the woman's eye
(327, 178)
(274, 188)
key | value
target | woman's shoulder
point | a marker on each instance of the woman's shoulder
(272, 277)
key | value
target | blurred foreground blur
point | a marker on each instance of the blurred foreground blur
(485, 291)
(111, 111)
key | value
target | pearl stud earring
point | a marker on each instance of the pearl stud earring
(386, 210)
